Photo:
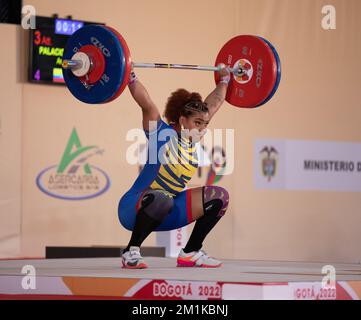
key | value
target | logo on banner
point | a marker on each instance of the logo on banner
(269, 162)
(218, 165)
(307, 165)
(74, 178)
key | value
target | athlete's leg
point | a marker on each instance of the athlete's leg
(214, 205)
(154, 207)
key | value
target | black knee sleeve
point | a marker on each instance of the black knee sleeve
(213, 207)
(156, 204)
(211, 193)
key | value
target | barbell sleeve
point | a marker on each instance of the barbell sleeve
(72, 64)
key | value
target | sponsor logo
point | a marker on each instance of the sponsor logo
(313, 291)
(74, 178)
(307, 165)
(99, 45)
(186, 290)
(259, 73)
(332, 165)
(247, 71)
(218, 165)
(269, 162)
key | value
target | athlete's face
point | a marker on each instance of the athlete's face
(195, 126)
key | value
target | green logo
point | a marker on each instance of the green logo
(72, 151)
(74, 178)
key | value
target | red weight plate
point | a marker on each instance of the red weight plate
(127, 62)
(258, 60)
(98, 67)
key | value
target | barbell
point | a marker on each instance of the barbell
(97, 65)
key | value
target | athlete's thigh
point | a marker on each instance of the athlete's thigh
(187, 208)
(196, 207)
(128, 208)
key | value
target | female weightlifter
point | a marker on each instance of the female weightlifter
(157, 200)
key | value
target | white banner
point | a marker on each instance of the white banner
(307, 165)
(173, 241)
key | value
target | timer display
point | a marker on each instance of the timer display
(47, 43)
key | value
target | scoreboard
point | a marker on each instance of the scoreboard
(47, 43)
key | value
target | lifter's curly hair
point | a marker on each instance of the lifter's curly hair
(175, 107)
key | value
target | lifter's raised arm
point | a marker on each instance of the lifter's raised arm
(141, 96)
(216, 98)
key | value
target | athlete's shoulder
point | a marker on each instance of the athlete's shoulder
(158, 127)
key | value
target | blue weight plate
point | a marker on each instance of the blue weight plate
(278, 72)
(115, 65)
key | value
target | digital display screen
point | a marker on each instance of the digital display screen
(67, 27)
(47, 43)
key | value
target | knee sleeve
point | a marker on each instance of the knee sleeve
(156, 204)
(215, 196)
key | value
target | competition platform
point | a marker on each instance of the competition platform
(103, 278)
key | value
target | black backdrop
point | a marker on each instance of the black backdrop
(10, 11)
